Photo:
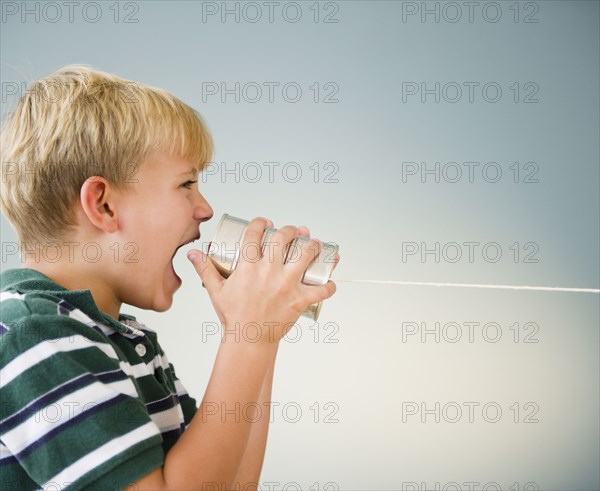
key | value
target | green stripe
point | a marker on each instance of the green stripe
(13, 309)
(35, 329)
(109, 477)
(13, 477)
(73, 443)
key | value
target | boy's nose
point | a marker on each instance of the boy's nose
(202, 210)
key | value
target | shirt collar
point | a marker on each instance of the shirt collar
(27, 280)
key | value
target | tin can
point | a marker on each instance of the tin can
(226, 247)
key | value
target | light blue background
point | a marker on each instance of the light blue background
(370, 212)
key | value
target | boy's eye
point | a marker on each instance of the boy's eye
(189, 184)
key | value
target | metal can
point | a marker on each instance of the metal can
(226, 247)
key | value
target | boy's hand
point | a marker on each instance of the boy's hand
(263, 293)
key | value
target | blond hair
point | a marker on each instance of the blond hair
(77, 123)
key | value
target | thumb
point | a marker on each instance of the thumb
(206, 270)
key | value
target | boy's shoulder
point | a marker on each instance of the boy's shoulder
(27, 295)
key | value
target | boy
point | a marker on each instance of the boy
(92, 162)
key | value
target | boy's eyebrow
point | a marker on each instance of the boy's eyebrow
(192, 170)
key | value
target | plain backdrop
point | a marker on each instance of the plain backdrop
(433, 141)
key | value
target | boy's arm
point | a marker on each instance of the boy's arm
(210, 451)
(252, 461)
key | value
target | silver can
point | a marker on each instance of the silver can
(226, 248)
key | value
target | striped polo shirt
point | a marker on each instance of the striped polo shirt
(87, 402)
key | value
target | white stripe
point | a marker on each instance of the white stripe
(103, 454)
(136, 371)
(47, 348)
(169, 419)
(143, 369)
(80, 316)
(58, 413)
(181, 390)
(137, 326)
(7, 295)
(106, 330)
(159, 361)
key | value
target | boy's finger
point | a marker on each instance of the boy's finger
(302, 254)
(280, 242)
(206, 270)
(251, 246)
(318, 293)
(304, 231)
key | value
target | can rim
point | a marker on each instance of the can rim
(215, 234)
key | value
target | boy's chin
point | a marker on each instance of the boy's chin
(163, 308)
(163, 304)
(165, 301)
(161, 299)
(160, 302)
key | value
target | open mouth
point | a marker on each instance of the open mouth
(194, 239)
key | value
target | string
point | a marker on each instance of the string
(471, 285)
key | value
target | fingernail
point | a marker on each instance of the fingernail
(192, 256)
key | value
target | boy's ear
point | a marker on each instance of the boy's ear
(97, 201)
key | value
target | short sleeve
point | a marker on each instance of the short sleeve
(70, 418)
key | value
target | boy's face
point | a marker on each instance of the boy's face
(157, 214)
